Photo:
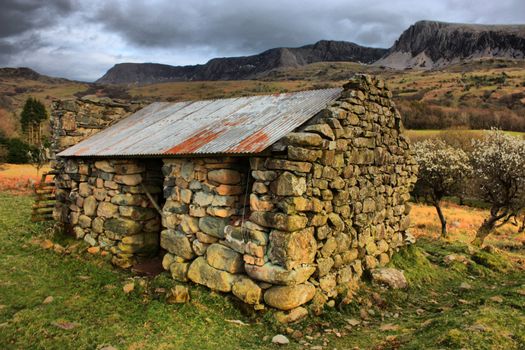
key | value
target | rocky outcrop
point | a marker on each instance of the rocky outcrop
(247, 67)
(431, 44)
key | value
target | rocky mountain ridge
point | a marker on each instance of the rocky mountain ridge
(432, 44)
(246, 67)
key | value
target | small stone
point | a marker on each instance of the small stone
(213, 226)
(48, 300)
(46, 244)
(291, 249)
(247, 290)
(280, 340)
(229, 190)
(391, 277)
(202, 273)
(294, 315)
(90, 206)
(90, 239)
(122, 226)
(449, 259)
(128, 287)
(283, 164)
(175, 207)
(179, 271)
(105, 166)
(224, 176)
(93, 250)
(137, 213)
(178, 295)
(129, 180)
(126, 168)
(276, 274)
(258, 204)
(167, 260)
(303, 139)
(465, 286)
(202, 198)
(323, 130)
(224, 258)
(84, 221)
(177, 243)
(496, 299)
(107, 210)
(128, 199)
(288, 185)
(204, 238)
(279, 221)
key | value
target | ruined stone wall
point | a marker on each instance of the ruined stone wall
(74, 120)
(105, 204)
(330, 202)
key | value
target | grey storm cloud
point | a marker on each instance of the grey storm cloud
(248, 25)
(82, 39)
(19, 16)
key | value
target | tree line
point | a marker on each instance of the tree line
(31, 147)
(489, 167)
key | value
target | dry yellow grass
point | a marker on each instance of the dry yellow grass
(21, 170)
(19, 178)
(462, 223)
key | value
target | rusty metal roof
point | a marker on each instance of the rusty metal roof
(224, 126)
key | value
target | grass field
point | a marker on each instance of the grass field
(88, 308)
(19, 177)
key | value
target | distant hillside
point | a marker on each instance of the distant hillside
(28, 74)
(239, 68)
(430, 44)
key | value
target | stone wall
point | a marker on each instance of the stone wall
(329, 203)
(297, 225)
(105, 204)
(74, 120)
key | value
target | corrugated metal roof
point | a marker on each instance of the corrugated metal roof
(225, 126)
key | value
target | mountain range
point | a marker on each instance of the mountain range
(246, 67)
(424, 45)
(431, 44)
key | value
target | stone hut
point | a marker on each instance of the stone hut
(280, 200)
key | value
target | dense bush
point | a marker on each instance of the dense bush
(15, 151)
(33, 113)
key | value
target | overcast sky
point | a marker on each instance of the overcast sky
(82, 39)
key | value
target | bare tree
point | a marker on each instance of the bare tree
(499, 168)
(38, 157)
(442, 172)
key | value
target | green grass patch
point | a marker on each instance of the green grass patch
(90, 310)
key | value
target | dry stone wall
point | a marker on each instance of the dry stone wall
(105, 204)
(74, 120)
(298, 224)
(329, 202)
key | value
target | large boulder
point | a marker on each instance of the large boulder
(177, 243)
(224, 258)
(202, 273)
(289, 297)
(391, 277)
(276, 274)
